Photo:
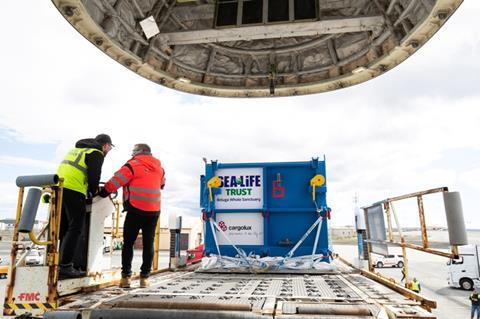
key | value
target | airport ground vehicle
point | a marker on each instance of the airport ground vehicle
(296, 192)
(464, 272)
(34, 257)
(195, 255)
(388, 261)
(3, 271)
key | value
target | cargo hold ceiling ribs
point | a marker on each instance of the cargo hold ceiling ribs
(236, 47)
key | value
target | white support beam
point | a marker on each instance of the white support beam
(391, 5)
(285, 30)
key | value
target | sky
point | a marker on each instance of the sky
(414, 128)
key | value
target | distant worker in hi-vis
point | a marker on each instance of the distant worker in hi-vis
(475, 299)
(415, 285)
(81, 169)
(142, 178)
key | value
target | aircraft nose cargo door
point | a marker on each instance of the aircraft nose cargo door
(264, 208)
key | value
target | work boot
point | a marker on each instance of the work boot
(144, 282)
(68, 272)
(125, 282)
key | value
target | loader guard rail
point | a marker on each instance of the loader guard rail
(24, 221)
(375, 242)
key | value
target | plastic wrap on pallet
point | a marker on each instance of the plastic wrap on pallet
(455, 221)
(37, 180)
(254, 263)
(306, 262)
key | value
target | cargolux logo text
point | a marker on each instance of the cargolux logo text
(224, 227)
(238, 228)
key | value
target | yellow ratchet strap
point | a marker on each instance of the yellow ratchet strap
(316, 181)
(214, 182)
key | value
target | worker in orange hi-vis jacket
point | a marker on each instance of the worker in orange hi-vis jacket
(142, 179)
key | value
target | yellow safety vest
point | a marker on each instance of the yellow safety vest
(74, 170)
(474, 297)
(415, 286)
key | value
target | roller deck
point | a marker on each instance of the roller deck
(342, 294)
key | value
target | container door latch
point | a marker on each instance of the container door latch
(316, 181)
(214, 182)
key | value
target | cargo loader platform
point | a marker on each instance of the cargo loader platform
(205, 295)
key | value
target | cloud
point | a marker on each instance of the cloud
(470, 178)
(8, 199)
(6, 160)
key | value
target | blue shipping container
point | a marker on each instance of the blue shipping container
(265, 208)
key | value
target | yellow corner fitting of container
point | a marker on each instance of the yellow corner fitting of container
(214, 182)
(316, 181)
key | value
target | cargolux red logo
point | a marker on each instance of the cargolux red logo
(222, 226)
(29, 296)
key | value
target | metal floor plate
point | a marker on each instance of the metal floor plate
(225, 287)
(266, 295)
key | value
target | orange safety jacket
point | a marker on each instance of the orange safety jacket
(141, 177)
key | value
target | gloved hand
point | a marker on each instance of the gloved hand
(102, 192)
(88, 199)
(46, 198)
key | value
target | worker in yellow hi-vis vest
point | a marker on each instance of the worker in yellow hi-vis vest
(475, 299)
(415, 285)
(81, 169)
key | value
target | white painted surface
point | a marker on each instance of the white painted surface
(101, 209)
(242, 188)
(31, 286)
(248, 33)
(241, 228)
(149, 27)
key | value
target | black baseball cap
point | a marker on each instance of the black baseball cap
(104, 139)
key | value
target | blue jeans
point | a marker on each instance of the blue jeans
(477, 309)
